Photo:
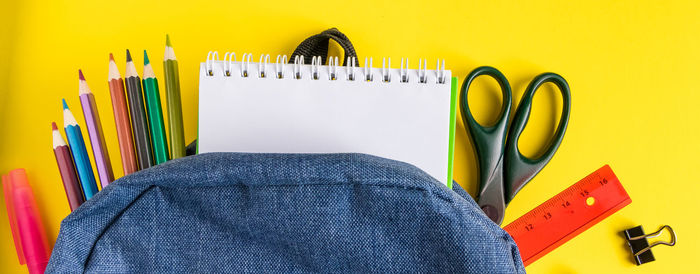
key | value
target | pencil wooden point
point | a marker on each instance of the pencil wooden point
(169, 52)
(128, 56)
(57, 138)
(130, 69)
(148, 71)
(68, 118)
(83, 87)
(80, 75)
(145, 58)
(113, 70)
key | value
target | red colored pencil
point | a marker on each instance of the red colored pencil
(67, 169)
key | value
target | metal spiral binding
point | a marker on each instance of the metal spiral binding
(332, 68)
(368, 70)
(279, 66)
(351, 68)
(440, 72)
(229, 58)
(262, 65)
(422, 71)
(386, 77)
(403, 73)
(298, 62)
(210, 62)
(245, 64)
(317, 65)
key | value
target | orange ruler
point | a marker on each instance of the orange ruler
(567, 214)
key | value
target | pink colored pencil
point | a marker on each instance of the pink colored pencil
(94, 128)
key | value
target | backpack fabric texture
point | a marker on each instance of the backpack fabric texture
(282, 213)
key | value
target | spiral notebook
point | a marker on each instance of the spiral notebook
(278, 107)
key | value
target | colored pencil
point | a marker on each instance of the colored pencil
(94, 129)
(139, 124)
(155, 112)
(67, 169)
(172, 97)
(80, 155)
(121, 118)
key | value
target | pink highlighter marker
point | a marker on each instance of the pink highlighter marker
(27, 229)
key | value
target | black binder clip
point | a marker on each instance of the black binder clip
(641, 250)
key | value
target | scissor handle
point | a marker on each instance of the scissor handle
(520, 169)
(489, 144)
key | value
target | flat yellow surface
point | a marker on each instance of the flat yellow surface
(632, 67)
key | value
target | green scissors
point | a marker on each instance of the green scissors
(503, 170)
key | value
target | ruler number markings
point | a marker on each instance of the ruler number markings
(565, 213)
(548, 210)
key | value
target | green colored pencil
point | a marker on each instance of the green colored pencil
(155, 114)
(172, 97)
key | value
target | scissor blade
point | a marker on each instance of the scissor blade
(491, 196)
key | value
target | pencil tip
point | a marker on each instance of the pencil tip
(145, 58)
(53, 126)
(128, 56)
(167, 41)
(111, 57)
(80, 75)
(65, 106)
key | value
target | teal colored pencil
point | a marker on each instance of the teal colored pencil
(155, 112)
(79, 151)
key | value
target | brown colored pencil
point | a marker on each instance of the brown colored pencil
(67, 169)
(121, 118)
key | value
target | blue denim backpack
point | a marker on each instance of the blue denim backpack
(282, 213)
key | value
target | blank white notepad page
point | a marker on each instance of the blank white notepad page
(408, 122)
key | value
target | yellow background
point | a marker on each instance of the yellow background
(632, 67)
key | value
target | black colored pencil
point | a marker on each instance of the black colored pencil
(139, 123)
